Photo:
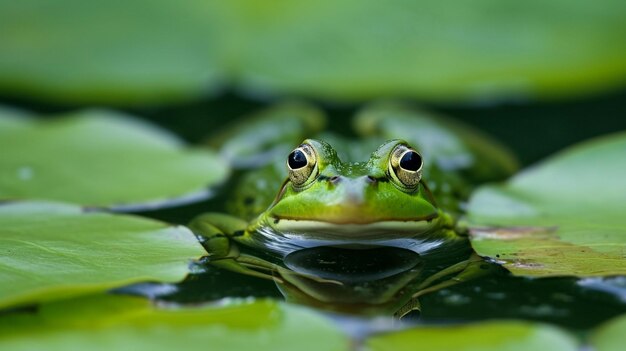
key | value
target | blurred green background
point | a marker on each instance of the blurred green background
(538, 74)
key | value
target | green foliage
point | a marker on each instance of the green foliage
(478, 49)
(564, 216)
(105, 322)
(610, 336)
(497, 336)
(108, 52)
(101, 159)
(126, 323)
(139, 51)
(50, 251)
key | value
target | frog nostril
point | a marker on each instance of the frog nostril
(371, 179)
(334, 179)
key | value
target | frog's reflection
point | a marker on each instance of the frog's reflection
(363, 280)
(349, 280)
(369, 280)
(379, 281)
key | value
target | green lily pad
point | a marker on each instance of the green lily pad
(476, 49)
(142, 51)
(497, 336)
(102, 159)
(126, 323)
(610, 335)
(112, 52)
(564, 216)
(50, 251)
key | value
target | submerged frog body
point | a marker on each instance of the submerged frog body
(310, 197)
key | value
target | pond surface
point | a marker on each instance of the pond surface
(370, 274)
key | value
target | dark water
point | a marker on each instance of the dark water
(569, 302)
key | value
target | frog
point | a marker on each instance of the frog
(326, 191)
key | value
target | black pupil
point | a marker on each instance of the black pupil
(297, 159)
(411, 161)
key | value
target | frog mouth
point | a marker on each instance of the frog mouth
(347, 219)
(335, 230)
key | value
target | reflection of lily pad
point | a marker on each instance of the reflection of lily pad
(100, 158)
(126, 323)
(497, 336)
(49, 251)
(564, 216)
(141, 51)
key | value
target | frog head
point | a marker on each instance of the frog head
(322, 194)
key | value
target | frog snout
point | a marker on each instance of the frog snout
(353, 189)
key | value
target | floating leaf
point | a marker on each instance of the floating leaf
(50, 251)
(103, 159)
(117, 52)
(125, 323)
(477, 49)
(138, 51)
(564, 216)
(497, 336)
(610, 335)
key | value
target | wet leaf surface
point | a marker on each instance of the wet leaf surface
(498, 335)
(610, 335)
(50, 251)
(102, 159)
(564, 216)
(108, 322)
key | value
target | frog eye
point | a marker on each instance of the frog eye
(302, 164)
(405, 167)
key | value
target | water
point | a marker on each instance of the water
(377, 281)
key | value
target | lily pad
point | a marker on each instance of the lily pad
(610, 335)
(102, 159)
(477, 49)
(497, 336)
(113, 52)
(126, 323)
(140, 51)
(50, 251)
(564, 216)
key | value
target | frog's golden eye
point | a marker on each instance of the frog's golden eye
(405, 167)
(302, 165)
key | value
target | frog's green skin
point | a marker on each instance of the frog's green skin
(350, 203)
(335, 201)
